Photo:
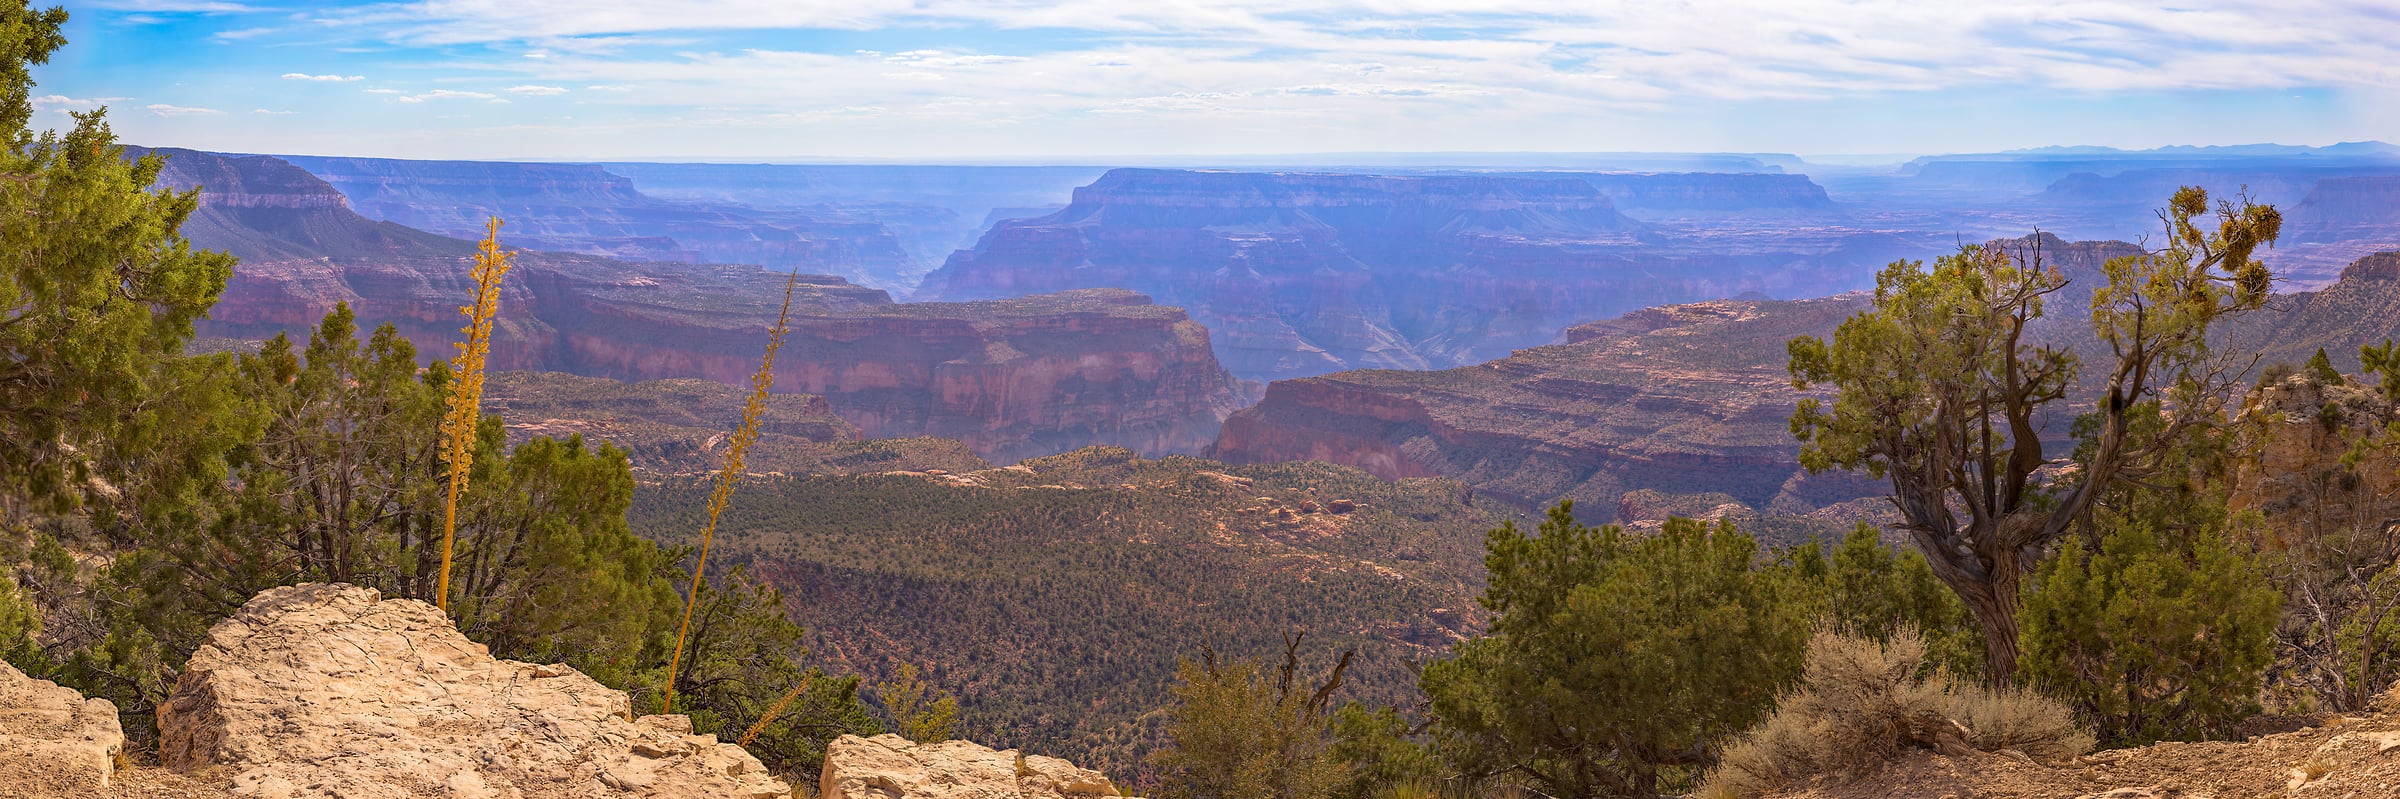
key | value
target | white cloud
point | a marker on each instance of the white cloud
(177, 6)
(165, 110)
(274, 113)
(240, 34)
(60, 102)
(385, 91)
(323, 78)
(537, 90)
(1727, 49)
(449, 94)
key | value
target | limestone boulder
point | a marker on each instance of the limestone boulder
(53, 741)
(329, 691)
(892, 767)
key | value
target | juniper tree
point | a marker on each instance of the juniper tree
(1940, 389)
(97, 294)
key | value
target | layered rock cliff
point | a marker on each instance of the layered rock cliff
(1300, 274)
(1012, 378)
(1681, 399)
(583, 208)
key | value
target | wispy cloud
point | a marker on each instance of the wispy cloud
(274, 113)
(175, 6)
(537, 90)
(59, 102)
(1712, 48)
(323, 78)
(165, 110)
(450, 94)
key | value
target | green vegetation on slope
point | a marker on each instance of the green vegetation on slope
(1055, 597)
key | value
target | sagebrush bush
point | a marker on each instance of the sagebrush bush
(1860, 702)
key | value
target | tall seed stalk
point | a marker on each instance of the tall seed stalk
(732, 472)
(466, 389)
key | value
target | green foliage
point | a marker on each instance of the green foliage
(922, 712)
(1379, 753)
(19, 623)
(2320, 368)
(1103, 569)
(744, 653)
(1873, 590)
(1616, 662)
(1941, 389)
(98, 294)
(2383, 361)
(2155, 636)
(1240, 731)
(1861, 700)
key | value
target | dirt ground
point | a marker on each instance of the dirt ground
(2352, 757)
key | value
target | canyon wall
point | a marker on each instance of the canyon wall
(583, 208)
(1303, 274)
(1013, 378)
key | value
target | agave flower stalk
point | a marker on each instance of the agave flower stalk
(777, 710)
(730, 474)
(466, 389)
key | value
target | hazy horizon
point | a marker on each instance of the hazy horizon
(1086, 81)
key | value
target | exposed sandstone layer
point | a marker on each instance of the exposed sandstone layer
(329, 691)
(53, 741)
(1013, 379)
(891, 767)
(2296, 433)
(1303, 274)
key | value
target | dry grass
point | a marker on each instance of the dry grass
(728, 476)
(466, 389)
(1860, 702)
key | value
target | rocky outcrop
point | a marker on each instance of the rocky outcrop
(1014, 378)
(2296, 434)
(53, 741)
(1303, 274)
(891, 767)
(329, 690)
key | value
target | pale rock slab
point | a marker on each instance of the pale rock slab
(892, 767)
(53, 741)
(329, 691)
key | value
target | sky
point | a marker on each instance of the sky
(1081, 81)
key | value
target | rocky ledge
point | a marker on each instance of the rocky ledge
(54, 741)
(319, 691)
(892, 767)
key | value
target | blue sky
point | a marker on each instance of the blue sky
(1085, 80)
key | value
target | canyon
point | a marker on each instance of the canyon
(1012, 379)
(1298, 274)
(1695, 398)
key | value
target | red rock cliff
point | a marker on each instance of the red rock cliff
(1012, 378)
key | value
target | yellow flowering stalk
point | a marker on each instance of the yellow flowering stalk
(777, 710)
(726, 477)
(466, 388)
